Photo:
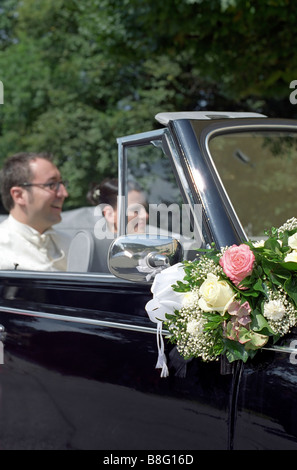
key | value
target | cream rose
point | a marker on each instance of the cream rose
(215, 294)
(291, 257)
(259, 243)
(292, 241)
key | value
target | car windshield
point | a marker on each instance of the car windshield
(258, 172)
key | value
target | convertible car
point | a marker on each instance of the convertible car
(78, 351)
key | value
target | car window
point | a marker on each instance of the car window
(258, 171)
(168, 214)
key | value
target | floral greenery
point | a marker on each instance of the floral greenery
(237, 299)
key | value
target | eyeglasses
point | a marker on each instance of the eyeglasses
(52, 186)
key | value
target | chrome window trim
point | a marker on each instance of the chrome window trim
(71, 319)
(173, 155)
(66, 276)
(123, 144)
(53, 274)
(108, 324)
(283, 349)
(216, 221)
(180, 173)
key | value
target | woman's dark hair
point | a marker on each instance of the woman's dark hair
(107, 192)
(104, 193)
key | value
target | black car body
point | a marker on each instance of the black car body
(78, 368)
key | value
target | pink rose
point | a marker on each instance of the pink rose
(237, 262)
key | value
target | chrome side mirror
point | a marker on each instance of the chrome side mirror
(139, 258)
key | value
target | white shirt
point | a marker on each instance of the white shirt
(23, 247)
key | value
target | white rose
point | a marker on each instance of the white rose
(215, 294)
(274, 310)
(259, 243)
(292, 241)
(291, 257)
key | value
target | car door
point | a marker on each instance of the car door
(79, 355)
(254, 165)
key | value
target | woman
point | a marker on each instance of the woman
(105, 194)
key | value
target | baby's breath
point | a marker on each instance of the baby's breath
(290, 224)
(204, 266)
(195, 343)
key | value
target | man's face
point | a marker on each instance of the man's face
(44, 205)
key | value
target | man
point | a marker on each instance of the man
(33, 193)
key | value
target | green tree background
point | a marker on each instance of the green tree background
(78, 74)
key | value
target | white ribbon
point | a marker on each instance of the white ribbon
(165, 300)
(143, 267)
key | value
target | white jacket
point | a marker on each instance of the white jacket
(22, 247)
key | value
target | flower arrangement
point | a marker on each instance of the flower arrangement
(231, 301)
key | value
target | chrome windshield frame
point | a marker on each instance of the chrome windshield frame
(223, 221)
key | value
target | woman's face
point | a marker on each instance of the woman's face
(137, 215)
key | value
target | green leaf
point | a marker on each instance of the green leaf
(180, 286)
(290, 265)
(259, 323)
(258, 286)
(235, 351)
(291, 288)
(273, 245)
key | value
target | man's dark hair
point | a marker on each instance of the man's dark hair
(16, 171)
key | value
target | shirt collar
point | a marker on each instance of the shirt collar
(30, 233)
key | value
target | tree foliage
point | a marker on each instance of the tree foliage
(78, 74)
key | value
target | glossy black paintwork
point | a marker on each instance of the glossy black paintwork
(266, 414)
(99, 384)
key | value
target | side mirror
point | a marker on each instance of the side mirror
(139, 257)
